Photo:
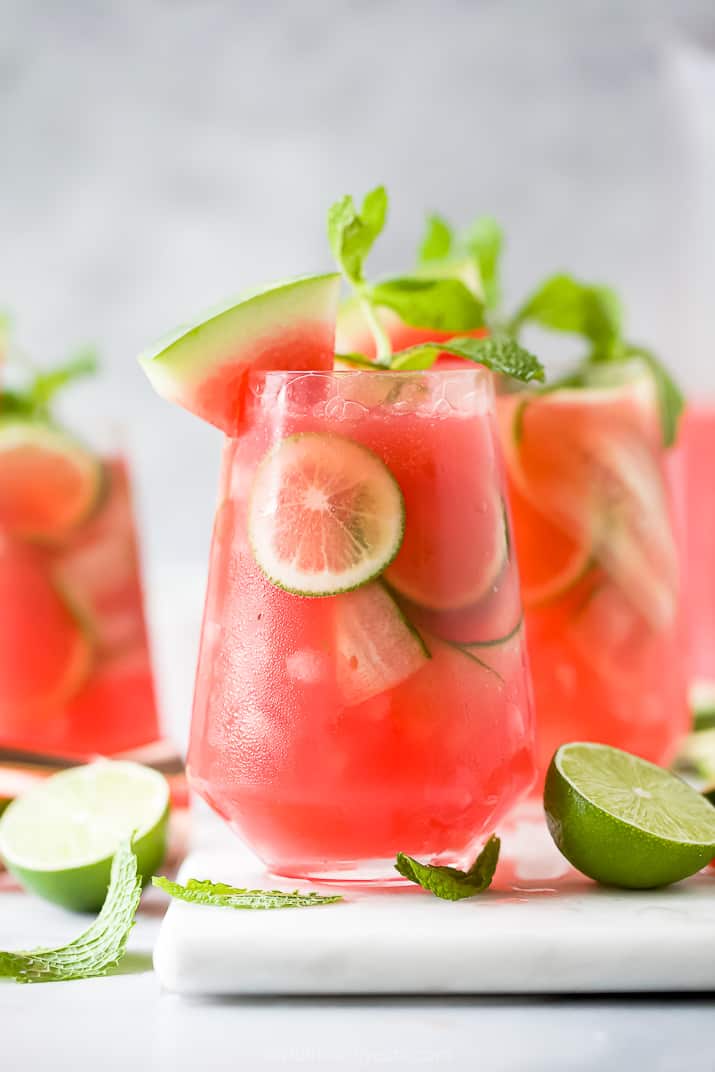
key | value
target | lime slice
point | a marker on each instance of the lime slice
(59, 839)
(326, 515)
(623, 821)
(49, 483)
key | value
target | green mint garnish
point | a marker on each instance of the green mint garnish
(595, 312)
(352, 234)
(450, 883)
(670, 398)
(35, 399)
(563, 303)
(439, 304)
(203, 892)
(484, 241)
(47, 384)
(100, 947)
(437, 242)
(481, 243)
(498, 353)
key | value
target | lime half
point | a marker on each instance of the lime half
(58, 840)
(623, 821)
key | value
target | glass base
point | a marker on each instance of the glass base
(349, 872)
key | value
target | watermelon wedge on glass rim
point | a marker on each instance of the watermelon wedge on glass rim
(203, 366)
(330, 728)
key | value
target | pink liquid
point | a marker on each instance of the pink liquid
(694, 486)
(75, 676)
(327, 786)
(599, 571)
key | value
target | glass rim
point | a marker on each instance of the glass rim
(437, 373)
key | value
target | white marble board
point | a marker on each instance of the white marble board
(541, 929)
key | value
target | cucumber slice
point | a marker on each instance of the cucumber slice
(326, 515)
(377, 647)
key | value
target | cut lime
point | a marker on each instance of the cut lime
(623, 821)
(326, 515)
(377, 648)
(59, 839)
(49, 483)
(286, 326)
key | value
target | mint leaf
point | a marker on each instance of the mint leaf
(450, 883)
(437, 241)
(484, 241)
(15, 404)
(99, 948)
(670, 398)
(563, 303)
(47, 384)
(358, 360)
(203, 892)
(498, 353)
(352, 234)
(439, 304)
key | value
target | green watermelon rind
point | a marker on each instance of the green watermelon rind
(188, 355)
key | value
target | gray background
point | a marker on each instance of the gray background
(156, 156)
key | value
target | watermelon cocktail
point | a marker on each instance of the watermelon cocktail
(693, 479)
(75, 675)
(598, 562)
(361, 687)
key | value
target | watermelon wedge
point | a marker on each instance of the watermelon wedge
(287, 326)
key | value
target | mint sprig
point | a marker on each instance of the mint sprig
(450, 883)
(563, 303)
(437, 242)
(671, 402)
(35, 399)
(443, 303)
(440, 304)
(594, 311)
(481, 243)
(484, 241)
(499, 353)
(219, 894)
(99, 948)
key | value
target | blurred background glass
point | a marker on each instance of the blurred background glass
(159, 155)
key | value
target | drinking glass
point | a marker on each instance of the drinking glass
(599, 566)
(75, 672)
(362, 686)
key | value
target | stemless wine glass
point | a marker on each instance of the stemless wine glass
(598, 562)
(362, 687)
(75, 671)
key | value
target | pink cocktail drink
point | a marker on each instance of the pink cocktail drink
(75, 673)
(362, 687)
(597, 553)
(694, 487)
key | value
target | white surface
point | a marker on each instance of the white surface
(128, 1021)
(538, 930)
